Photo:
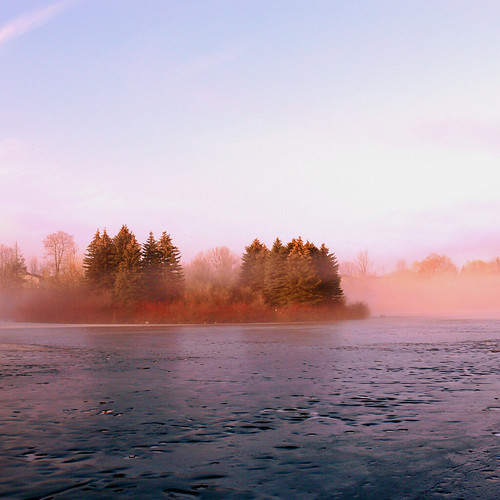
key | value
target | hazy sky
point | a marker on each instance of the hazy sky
(361, 124)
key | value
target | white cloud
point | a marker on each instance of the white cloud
(30, 21)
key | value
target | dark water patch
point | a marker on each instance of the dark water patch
(265, 457)
(181, 492)
(205, 486)
(77, 458)
(207, 477)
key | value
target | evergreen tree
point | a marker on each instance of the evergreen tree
(275, 274)
(107, 260)
(152, 269)
(99, 262)
(150, 253)
(127, 250)
(328, 271)
(302, 281)
(128, 283)
(90, 267)
(253, 267)
(171, 269)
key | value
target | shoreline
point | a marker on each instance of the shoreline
(27, 324)
(444, 315)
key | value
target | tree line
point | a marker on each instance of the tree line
(118, 273)
(131, 271)
(433, 264)
(296, 273)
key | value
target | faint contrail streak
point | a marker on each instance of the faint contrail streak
(30, 21)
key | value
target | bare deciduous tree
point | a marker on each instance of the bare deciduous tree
(224, 264)
(347, 268)
(401, 266)
(435, 263)
(12, 267)
(212, 275)
(34, 266)
(60, 251)
(363, 264)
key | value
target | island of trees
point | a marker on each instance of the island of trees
(121, 280)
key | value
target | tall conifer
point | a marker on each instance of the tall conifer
(150, 253)
(275, 274)
(253, 266)
(152, 269)
(99, 262)
(172, 272)
(90, 265)
(328, 272)
(127, 249)
(302, 281)
(128, 282)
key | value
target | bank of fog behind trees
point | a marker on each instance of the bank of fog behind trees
(123, 280)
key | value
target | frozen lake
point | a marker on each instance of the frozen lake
(382, 408)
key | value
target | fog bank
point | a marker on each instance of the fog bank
(458, 294)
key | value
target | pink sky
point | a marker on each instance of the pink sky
(360, 127)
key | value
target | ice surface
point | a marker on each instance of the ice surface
(382, 408)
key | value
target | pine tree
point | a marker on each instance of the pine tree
(128, 282)
(302, 281)
(128, 286)
(107, 260)
(301, 273)
(328, 271)
(99, 262)
(253, 267)
(275, 273)
(152, 269)
(127, 249)
(171, 269)
(150, 253)
(90, 267)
